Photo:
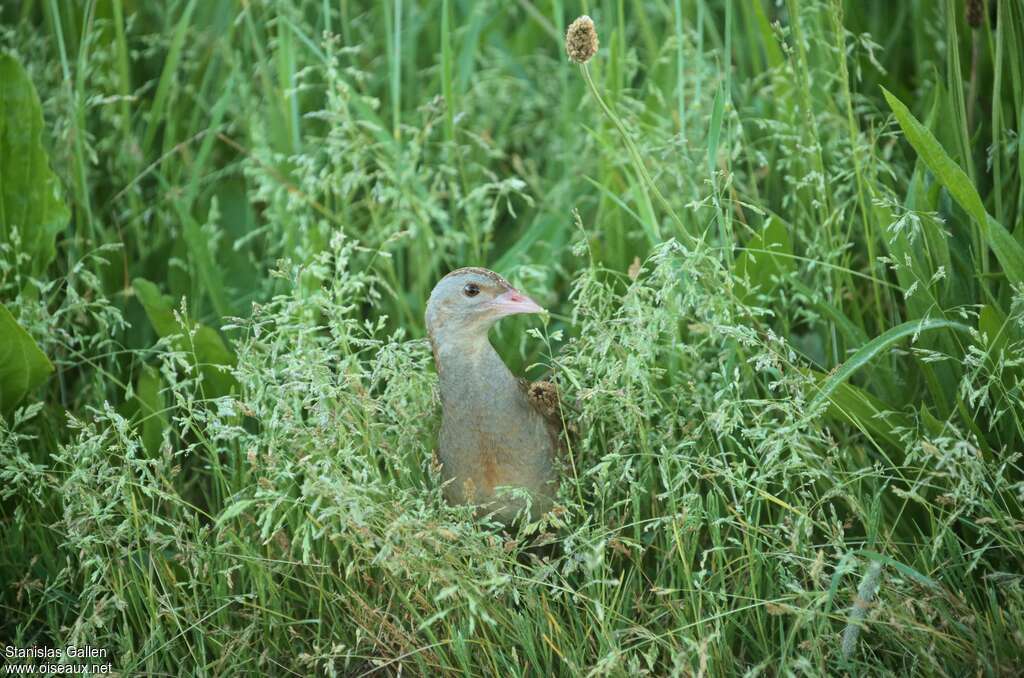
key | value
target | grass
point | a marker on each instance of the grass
(781, 245)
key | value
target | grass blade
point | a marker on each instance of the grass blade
(1006, 248)
(880, 343)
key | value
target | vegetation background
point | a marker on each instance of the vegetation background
(788, 326)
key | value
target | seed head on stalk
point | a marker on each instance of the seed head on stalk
(581, 45)
(975, 13)
(581, 40)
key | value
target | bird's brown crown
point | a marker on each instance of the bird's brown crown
(487, 273)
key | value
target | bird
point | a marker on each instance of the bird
(496, 429)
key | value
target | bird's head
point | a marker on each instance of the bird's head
(468, 301)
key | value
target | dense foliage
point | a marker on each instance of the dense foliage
(781, 246)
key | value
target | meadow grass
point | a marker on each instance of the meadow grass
(780, 243)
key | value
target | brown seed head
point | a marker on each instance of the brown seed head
(581, 40)
(975, 13)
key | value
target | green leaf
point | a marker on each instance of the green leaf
(921, 255)
(942, 166)
(210, 353)
(852, 332)
(234, 510)
(30, 193)
(932, 424)
(157, 306)
(864, 411)
(151, 409)
(869, 350)
(769, 42)
(999, 333)
(768, 255)
(1007, 250)
(902, 568)
(23, 366)
(992, 323)
(211, 272)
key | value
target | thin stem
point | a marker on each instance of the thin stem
(638, 162)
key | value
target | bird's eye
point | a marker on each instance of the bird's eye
(471, 290)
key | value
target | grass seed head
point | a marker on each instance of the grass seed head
(581, 40)
(975, 13)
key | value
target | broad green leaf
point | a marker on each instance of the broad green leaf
(922, 199)
(932, 425)
(858, 407)
(209, 351)
(637, 192)
(645, 207)
(767, 255)
(1007, 250)
(942, 166)
(30, 193)
(921, 253)
(769, 41)
(23, 366)
(168, 76)
(852, 332)
(992, 322)
(233, 511)
(903, 568)
(151, 409)
(869, 350)
(238, 219)
(210, 272)
(999, 333)
(157, 306)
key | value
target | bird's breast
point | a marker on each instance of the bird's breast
(480, 452)
(490, 434)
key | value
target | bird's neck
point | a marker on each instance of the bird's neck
(471, 372)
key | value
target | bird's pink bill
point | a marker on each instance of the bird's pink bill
(513, 302)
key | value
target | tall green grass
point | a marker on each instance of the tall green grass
(783, 260)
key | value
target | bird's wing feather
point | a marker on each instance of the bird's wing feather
(545, 399)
